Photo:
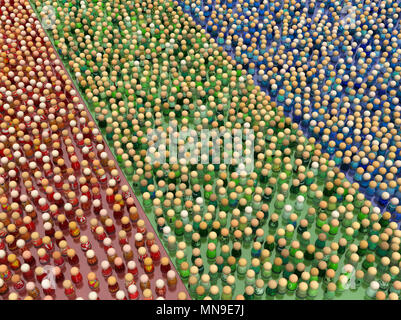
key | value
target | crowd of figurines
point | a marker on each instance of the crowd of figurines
(69, 225)
(294, 226)
(334, 66)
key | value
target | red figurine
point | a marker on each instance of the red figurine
(47, 287)
(165, 265)
(69, 289)
(155, 252)
(132, 268)
(76, 275)
(133, 293)
(160, 288)
(119, 265)
(26, 271)
(106, 268)
(72, 257)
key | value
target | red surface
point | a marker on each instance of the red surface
(83, 289)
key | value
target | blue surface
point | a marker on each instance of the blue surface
(246, 10)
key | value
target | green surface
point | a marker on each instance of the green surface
(246, 249)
